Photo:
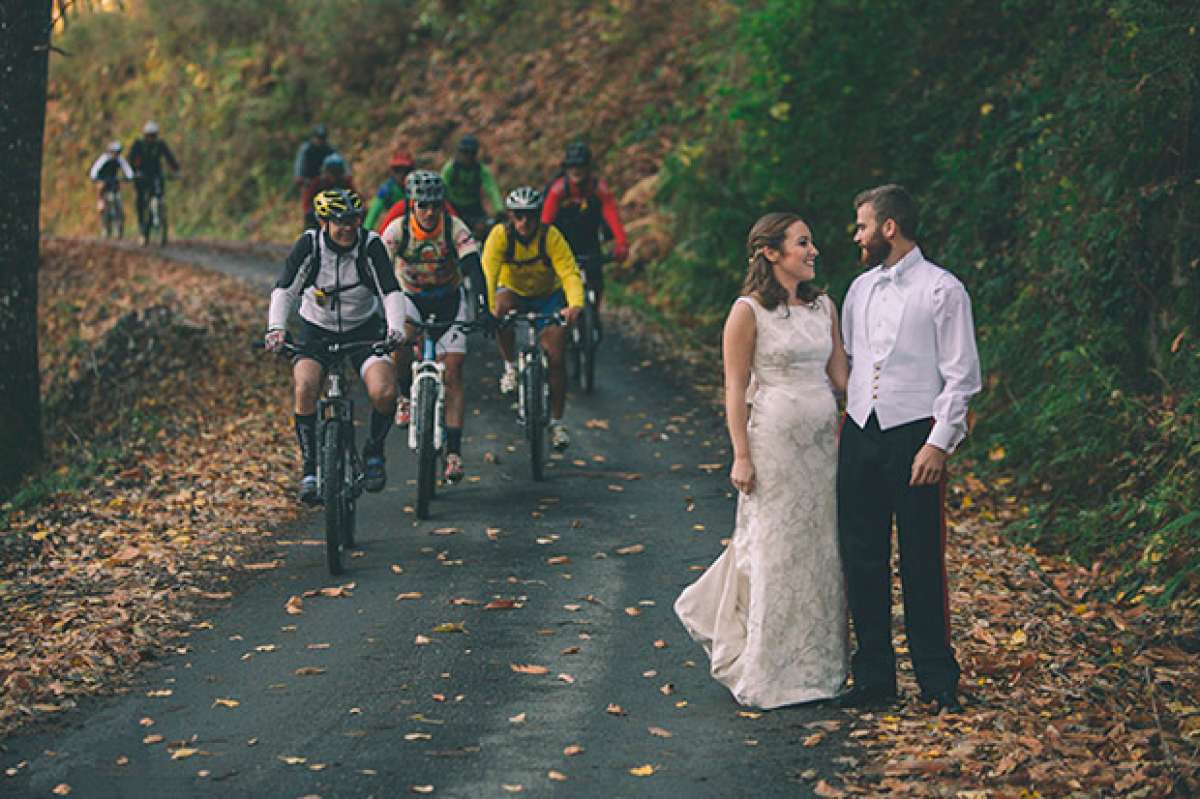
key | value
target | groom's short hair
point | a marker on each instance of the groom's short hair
(892, 201)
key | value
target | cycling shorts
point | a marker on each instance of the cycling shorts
(312, 340)
(446, 306)
(553, 302)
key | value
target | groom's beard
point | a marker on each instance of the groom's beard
(876, 251)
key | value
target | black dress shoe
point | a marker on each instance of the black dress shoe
(868, 697)
(943, 701)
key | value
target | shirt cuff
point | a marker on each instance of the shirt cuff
(944, 436)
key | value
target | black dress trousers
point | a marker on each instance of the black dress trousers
(874, 469)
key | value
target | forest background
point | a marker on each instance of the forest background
(1054, 148)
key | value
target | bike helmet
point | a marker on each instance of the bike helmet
(150, 128)
(402, 158)
(523, 198)
(578, 154)
(423, 186)
(341, 205)
(334, 163)
(114, 147)
(319, 132)
(468, 145)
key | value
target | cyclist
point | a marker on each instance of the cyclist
(391, 190)
(107, 170)
(468, 181)
(146, 156)
(309, 158)
(581, 205)
(335, 174)
(341, 278)
(529, 267)
(432, 252)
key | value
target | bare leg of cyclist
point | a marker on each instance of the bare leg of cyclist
(554, 340)
(307, 374)
(380, 379)
(402, 359)
(455, 412)
(506, 340)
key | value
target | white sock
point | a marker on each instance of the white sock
(510, 366)
(555, 422)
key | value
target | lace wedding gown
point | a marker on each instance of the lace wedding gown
(771, 611)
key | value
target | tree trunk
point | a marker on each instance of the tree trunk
(24, 60)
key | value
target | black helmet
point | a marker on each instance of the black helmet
(342, 205)
(578, 154)
(468, 145)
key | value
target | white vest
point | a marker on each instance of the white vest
(900, 386)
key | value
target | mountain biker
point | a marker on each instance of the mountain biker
(529, 267)
(468, 182)
(342, 279)
(335, 174)
(400, 207)
(581, 205)
(432, 252)
(391, 190)
(146, 157)
(107, 170)
(309, 157)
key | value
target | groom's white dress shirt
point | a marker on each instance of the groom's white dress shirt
(910, 336)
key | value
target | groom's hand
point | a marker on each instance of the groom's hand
(928, 467)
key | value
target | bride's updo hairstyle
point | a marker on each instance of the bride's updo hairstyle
(760, 283)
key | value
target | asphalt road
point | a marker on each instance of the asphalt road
(361, 696)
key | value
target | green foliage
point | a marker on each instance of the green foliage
(1055, 148)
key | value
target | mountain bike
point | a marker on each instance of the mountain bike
(584, 338)
(427, 431)
(533, 387)
(154, 226)
(340, 469)
(112, 214)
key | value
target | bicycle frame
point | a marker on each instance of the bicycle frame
(335, 406)
(428, 375)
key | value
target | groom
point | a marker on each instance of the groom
(908, 331)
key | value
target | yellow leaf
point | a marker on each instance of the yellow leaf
(642, 771)
(512, 788)
(523, 668)
(986, 109)
(292, 760)
(451, 627)
(615, 710)
(750, 714)
(309, 671)
(659, 732)
(182, 753)
(632, 549)
(409, 595)
(997, 454)
(62, 789)
(1019, 638)
(557, 776)
(572, 750)
(418, 736)
(226, 703)
(422, 789)
(517, 719)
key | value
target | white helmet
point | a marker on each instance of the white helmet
(150, 128)
(114, 147)
(523, 198)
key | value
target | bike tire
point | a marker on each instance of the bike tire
(162, 220)
(426, 455)
(587, 349)
(333, 466)
(535, 423)
(349, 520)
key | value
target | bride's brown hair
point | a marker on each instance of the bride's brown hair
(760, 282)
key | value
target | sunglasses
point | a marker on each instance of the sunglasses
(428, 206)
(526, 215)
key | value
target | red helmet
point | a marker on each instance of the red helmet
(402, 158)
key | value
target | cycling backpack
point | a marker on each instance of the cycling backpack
(510, 247)
(447, 232)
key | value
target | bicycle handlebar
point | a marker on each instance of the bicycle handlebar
(512, 317)
(379, 348)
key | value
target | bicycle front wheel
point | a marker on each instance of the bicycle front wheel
(587, 349)
(162, 223)
(333, 467)
(535, 423)
(426, 454)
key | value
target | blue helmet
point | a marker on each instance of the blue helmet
(334, 163)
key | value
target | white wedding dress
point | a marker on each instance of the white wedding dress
(771, 611)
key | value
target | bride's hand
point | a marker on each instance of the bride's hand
(742, 475)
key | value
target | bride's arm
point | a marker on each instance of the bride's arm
(838, 367)
(738, 352)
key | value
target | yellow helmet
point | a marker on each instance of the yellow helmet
(338, 204)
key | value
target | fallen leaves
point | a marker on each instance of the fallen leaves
(310, 671)
(225, 703)
(557, 776)
(294, 606)
(407, 595)
(645, 770)
(596, 424)
(659, 732)
(632, 549)
(615, 710)
(572, 750)
(528, 668)
(502, 604)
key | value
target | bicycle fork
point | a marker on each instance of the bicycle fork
(430, 374)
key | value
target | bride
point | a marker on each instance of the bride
(771, 611)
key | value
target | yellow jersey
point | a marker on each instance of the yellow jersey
(534, 269)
